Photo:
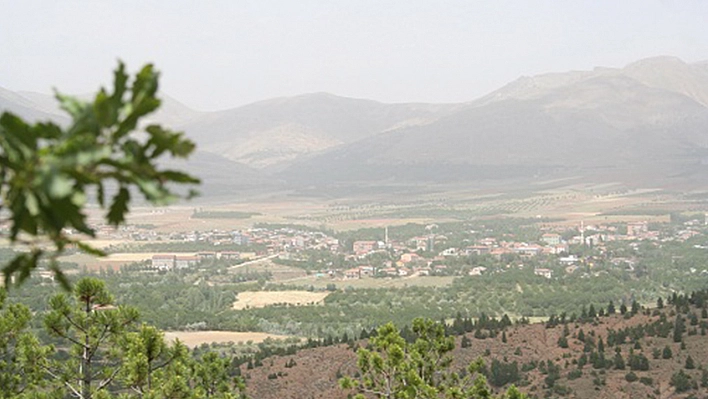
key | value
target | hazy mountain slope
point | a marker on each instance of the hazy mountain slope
(670, 73)
(275, 131)
(645, 122)
(577, 121)
(24, 107)
(667, 73)
(171, 113)
(220, 176)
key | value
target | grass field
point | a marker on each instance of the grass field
(195, 338)
(280, 273)
(260, 299)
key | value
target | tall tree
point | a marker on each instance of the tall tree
(22, 358)
(145, 353)
(212, 379)
(94, 329)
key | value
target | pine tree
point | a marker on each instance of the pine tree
(22, 358)
(89, 323)
(690, 365)
(145, 352)
(667, 353)
(581, 335)
(619, 362)
(611, 308)
(393, 368)
(679, 328)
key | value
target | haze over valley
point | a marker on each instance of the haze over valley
(642, 125)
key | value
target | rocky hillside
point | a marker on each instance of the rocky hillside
(601, 357)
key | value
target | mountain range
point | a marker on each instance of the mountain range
(644, 124)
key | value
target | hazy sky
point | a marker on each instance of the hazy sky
(217, 54)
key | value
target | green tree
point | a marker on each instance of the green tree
(501, 373)
(212, 378)
(611, 308)
(22, 358)
(690, 364)
(679, 328)
(145, 353)
(619, 361)
(667, 353)
(47, 173)
(623, 308)
(392, 368)
(94, 329)
(681, 381)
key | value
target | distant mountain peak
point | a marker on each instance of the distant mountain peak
(661, 60)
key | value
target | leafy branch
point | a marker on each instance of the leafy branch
(47, 173)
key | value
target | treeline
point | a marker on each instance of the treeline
(223, 215)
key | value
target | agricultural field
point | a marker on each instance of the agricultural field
(112, 261)
(572, 203)
(278, 273)
(261, 299)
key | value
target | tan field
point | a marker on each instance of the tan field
(261, 299)
(195, 338)
(135, 256)
(112, 261)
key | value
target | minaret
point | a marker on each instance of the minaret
(386, 235)
(582, 232)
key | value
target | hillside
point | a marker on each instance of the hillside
(25, 107)
(223, 178)
(220, 176)
(532, 347)
(273, 132)
(639, 119)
